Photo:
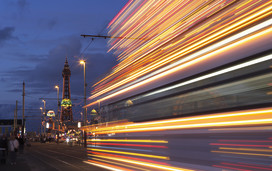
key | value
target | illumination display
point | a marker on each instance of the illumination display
(66, 103)
(51, 113)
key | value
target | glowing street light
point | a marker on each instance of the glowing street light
(58, 115)
(44, 112)
(41, 119)
(83, 62)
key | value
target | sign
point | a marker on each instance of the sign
(51, 113)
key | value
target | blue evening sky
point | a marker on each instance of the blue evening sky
(35, 38)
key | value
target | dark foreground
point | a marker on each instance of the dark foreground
(53, 157)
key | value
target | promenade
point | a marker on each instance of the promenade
(50, 156)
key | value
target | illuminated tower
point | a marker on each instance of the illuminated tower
(66, 105)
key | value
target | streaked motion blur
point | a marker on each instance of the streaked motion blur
(191, 91)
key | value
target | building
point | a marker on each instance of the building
(7, 126)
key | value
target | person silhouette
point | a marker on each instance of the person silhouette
(13, 148)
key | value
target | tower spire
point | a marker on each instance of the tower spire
(66, 104)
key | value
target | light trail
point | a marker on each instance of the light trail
(144, 63)
(250, 117)
(170, 37)
(115, 163)
(129, 153)
(103, 165)
(245, 149)
(163, 167)
(199, 59)
(127, 140)
(250, 154)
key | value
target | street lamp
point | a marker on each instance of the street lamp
(58, 115)
(44, 112)
(83, 62)
(44, 106)
(41, 119)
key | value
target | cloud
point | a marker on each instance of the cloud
(48, 23)
(48, 72)
(40, 80)
(22, 4)
(7, 110)
(6, 34)
(52, 23)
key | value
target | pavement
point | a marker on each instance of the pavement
(21, 163)
(24, 161)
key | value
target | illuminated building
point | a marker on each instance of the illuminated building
(66, 104)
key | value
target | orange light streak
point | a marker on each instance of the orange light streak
(107, 166)
(129, 140)
(249, 117)
(129, 166)
(127, 157)
(157, 166)
(132, 145)
(129, 153)
(237, 25)
(187, 64)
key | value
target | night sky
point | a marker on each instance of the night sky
(35, 38)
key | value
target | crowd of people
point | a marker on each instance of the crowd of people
(9, 147)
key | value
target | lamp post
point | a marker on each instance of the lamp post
(41, 120)
(83, 62)
(44, 112)
(58, 115)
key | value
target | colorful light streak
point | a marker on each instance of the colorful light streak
(236, 67)
(166, 37)
(245, 149)
(232, 168)
(163, 167)
(251, 154)
(243, 129)
(128, 166)
(194, 61)
(168, 31)
(119, 148)
(127, 157)
(130, 153)
(239, 118)
(104, 165)
(259, 165)
(241, 145)
(256, 141)
(242, 165)
(132, 145)
(127, 140)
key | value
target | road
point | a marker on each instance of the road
(53, 157)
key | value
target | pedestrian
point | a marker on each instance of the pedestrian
(4, 149)
(21, 144)
(13, 148)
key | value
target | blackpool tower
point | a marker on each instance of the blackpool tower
(66, 104)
